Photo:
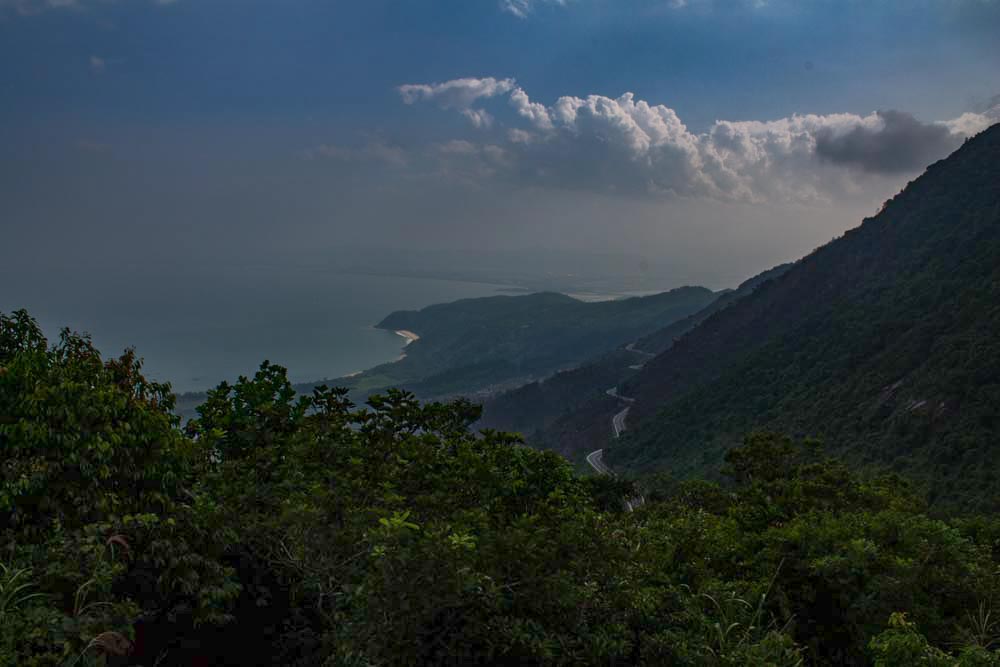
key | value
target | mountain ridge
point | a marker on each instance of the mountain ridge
(536, 408)
(477, 347)
(871, 316)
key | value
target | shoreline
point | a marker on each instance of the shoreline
(408, 335)
(410, 338)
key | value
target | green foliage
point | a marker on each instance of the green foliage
(303, 530)
(902, 645)
(69, 419)
(505, 340)
(547, 411)
(882, 342)
(93, 489)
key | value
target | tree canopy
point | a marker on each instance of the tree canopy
(280, 528)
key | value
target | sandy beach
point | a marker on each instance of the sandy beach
(408, 335)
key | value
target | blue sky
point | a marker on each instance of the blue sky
(213, 60)
(231, 128)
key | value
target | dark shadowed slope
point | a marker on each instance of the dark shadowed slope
(536, 409)
(662, 339)
(884, 342)
(478, 345)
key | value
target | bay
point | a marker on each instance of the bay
(197, 329)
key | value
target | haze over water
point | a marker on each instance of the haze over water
(196, 330)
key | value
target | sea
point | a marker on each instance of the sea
(195, 330)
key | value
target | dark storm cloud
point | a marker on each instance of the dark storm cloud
(901, 144)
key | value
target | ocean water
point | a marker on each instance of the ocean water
(195, 330)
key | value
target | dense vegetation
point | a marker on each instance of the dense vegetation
(480, 345)
(477, 348)
(663, 339)
(532, 408)
(883, 342)
(549, 410)
(301, 530)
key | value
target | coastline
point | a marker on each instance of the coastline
(408, 335)
(410, 338)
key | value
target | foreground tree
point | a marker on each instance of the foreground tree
(99, 538)
(291, 529)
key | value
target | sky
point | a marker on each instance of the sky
(707, 139)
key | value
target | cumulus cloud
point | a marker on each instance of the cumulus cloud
(457, 93)
(480, 118)
(536, 113)
(897, 142)
(971, 123)
(628, 144)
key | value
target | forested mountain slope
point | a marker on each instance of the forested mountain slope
(662, 339)
(472, 344)
(540, 327)
(884, 343)
(538, 408)
(282, 529)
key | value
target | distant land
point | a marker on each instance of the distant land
(538, 409)
(882, 343)
(479, 347)
(479, 353)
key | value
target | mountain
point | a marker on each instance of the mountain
(662, 339)
(476, 347)
(883, 343)
(535, 408)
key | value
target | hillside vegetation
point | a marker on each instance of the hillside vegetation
(883, 343)
(302, 530)
(481, 345)
(549, 412)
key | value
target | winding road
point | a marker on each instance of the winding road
(596, 458)
(618, 422)
(648, 355)
(596, 461)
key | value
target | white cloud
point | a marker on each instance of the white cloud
(970, 123)
(534, 112)
(480, 118)
(457, 93)
(627, 144)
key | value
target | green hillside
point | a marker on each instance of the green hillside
(282, 529)
(483, 345)
(883, 343)
(542, 410)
